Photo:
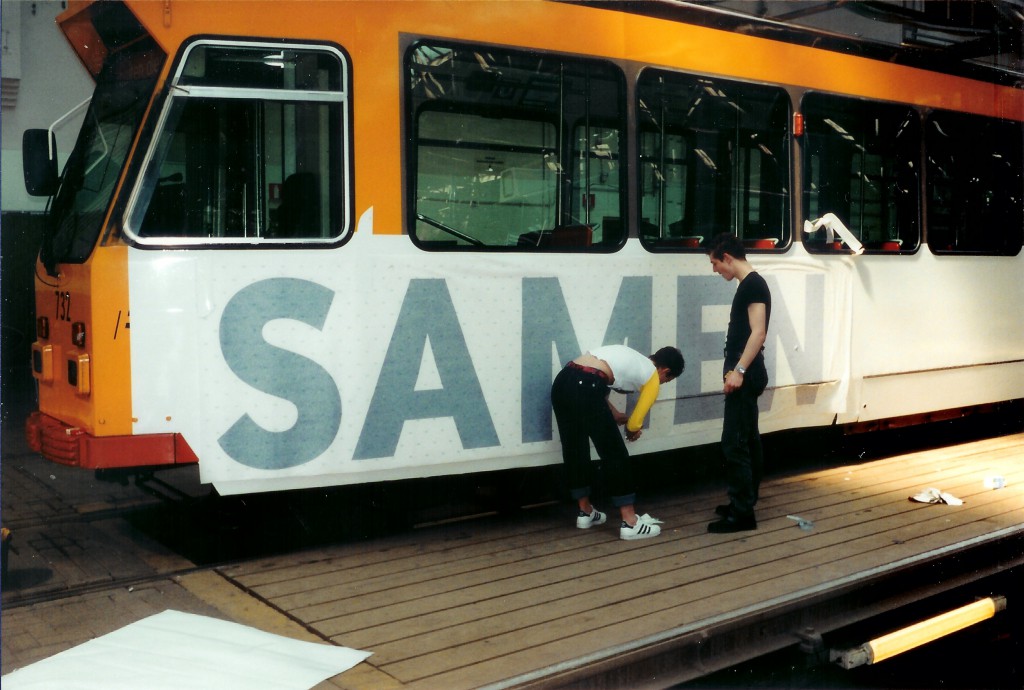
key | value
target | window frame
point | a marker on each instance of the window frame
(342, 191)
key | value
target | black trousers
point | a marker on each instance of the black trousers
(580, 403)
(741, 442)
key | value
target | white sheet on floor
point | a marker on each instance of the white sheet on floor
(176, 650)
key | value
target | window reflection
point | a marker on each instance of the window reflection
(861, 161)
(514, 149)
(713, 158)
(975, 184)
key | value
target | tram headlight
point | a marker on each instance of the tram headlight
(42, 362)
(79, 375)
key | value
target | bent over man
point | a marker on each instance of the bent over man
(584, 413)
(745, 378)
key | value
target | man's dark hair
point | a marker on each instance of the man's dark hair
(726, 243)
(669, 358)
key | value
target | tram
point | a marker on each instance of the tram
(322, 243)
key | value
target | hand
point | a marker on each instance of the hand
(633, 435)
(733, 381)
(620, 417)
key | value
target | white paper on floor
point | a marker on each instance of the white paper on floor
(177, 651)
(936, 496)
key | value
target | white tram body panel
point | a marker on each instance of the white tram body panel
(378, 361)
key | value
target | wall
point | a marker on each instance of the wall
(42, 80)
(50, 82)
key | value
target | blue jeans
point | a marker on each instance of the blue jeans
(741, 442)
(580, 403)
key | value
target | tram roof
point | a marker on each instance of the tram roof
(980, 39)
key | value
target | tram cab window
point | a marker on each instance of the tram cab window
(975, 182)
(251, 148)
(861, 163)
(513, 150)
(713, 157)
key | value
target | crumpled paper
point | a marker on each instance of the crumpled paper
(936, 496)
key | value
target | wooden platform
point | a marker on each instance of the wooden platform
(531, 601)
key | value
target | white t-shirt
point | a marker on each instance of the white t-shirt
(630, 368)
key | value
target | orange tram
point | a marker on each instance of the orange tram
(321, 243)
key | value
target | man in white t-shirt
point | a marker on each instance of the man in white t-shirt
(584, 413)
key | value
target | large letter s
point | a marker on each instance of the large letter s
(280, 373)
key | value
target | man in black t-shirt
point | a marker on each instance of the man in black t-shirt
(745, 379)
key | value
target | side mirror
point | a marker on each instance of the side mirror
(39, 157)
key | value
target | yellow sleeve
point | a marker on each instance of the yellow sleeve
(648, 394)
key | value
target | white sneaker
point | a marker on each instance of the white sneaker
(584, 521)
(645, 528)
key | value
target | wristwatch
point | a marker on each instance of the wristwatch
(740, 370)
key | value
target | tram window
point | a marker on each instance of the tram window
(250, 149)
(513, 150)
(974, 184)
(861, 162)
(713, 157)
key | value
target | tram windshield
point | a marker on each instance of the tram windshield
(123, 89)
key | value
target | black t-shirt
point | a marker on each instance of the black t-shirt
(752, 290)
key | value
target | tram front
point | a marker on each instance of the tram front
(81, 355)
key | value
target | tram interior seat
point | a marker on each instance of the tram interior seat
(561, 236)
(817, 241)
(887, 246)
(684, 242)
(761, 243)
(678, 237)
(571, 236)
(299, 212)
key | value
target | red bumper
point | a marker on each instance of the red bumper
(66, 445)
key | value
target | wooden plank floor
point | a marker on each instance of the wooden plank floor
(514, 600)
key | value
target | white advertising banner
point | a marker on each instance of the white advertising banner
(377, 360)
